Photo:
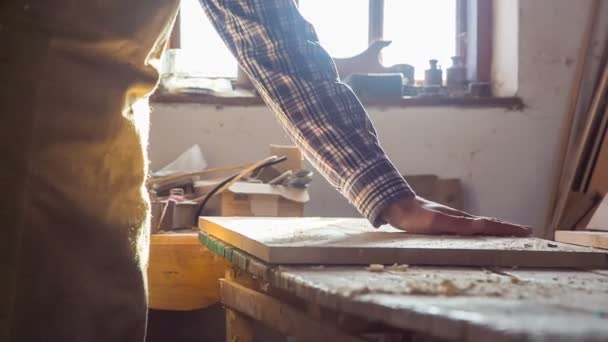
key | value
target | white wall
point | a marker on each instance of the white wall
(504, 158)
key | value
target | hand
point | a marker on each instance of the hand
(419, 216)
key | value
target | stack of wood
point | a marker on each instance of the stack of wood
(583, 172)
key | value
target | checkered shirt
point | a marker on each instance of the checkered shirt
(299, 82)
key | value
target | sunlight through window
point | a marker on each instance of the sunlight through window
(205, 53)
(340, 24)
(419, 30)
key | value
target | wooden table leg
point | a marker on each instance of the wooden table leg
(239, 328)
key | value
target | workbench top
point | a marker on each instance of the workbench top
(456, 303)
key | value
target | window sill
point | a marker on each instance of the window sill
(510, 103)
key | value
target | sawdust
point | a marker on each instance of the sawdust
(448, 288)
(375, 268)
(398, 268)
(382, 268)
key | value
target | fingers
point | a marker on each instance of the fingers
(452, 211)
(442, 208)
(498, 228)
(447, 224)
(425, 217)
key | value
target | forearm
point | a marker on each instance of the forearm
(298, 80)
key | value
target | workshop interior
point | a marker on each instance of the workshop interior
(304, 170)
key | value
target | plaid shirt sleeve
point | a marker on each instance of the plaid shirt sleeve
(298, 80)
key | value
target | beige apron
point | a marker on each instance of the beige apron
(73, 135)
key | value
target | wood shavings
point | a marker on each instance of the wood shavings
(399, 268)
(448, 288)
(375, 268)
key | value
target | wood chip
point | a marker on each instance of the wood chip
(375, 268)
(397, 267)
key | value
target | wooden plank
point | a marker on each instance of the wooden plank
(562, 167)
(599, 179)
(278, 315)
(239, 328)
(595, 164)
(182, 274)
(599, 219)
(355, 241)
(573, 164)
(590, 239)
(578, 205)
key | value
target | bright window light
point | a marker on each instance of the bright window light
(204, 51)
(341, 25)
(419, 30)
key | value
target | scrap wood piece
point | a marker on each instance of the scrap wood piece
(582, 238)
(599, 219)
(564, 166)
(599, 178)
(577, 206)
(279, 315)
(341, 241)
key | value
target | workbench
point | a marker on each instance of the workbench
(411, 303)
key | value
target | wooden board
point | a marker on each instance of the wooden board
(278, 315)
(182, 274)
(599, 218)
(590, 239)
(599, 179)
(355, 241)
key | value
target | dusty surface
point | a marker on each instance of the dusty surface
(464, 303)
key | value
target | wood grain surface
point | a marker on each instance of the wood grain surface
(583, 238)
(342, 241)
(182, 274)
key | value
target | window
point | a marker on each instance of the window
(203, 51)
(420, 30)
(340, 34)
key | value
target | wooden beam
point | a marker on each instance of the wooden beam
(479, 19)
(589, 239)
(461, 29)
(278, 315)
(376, 21)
